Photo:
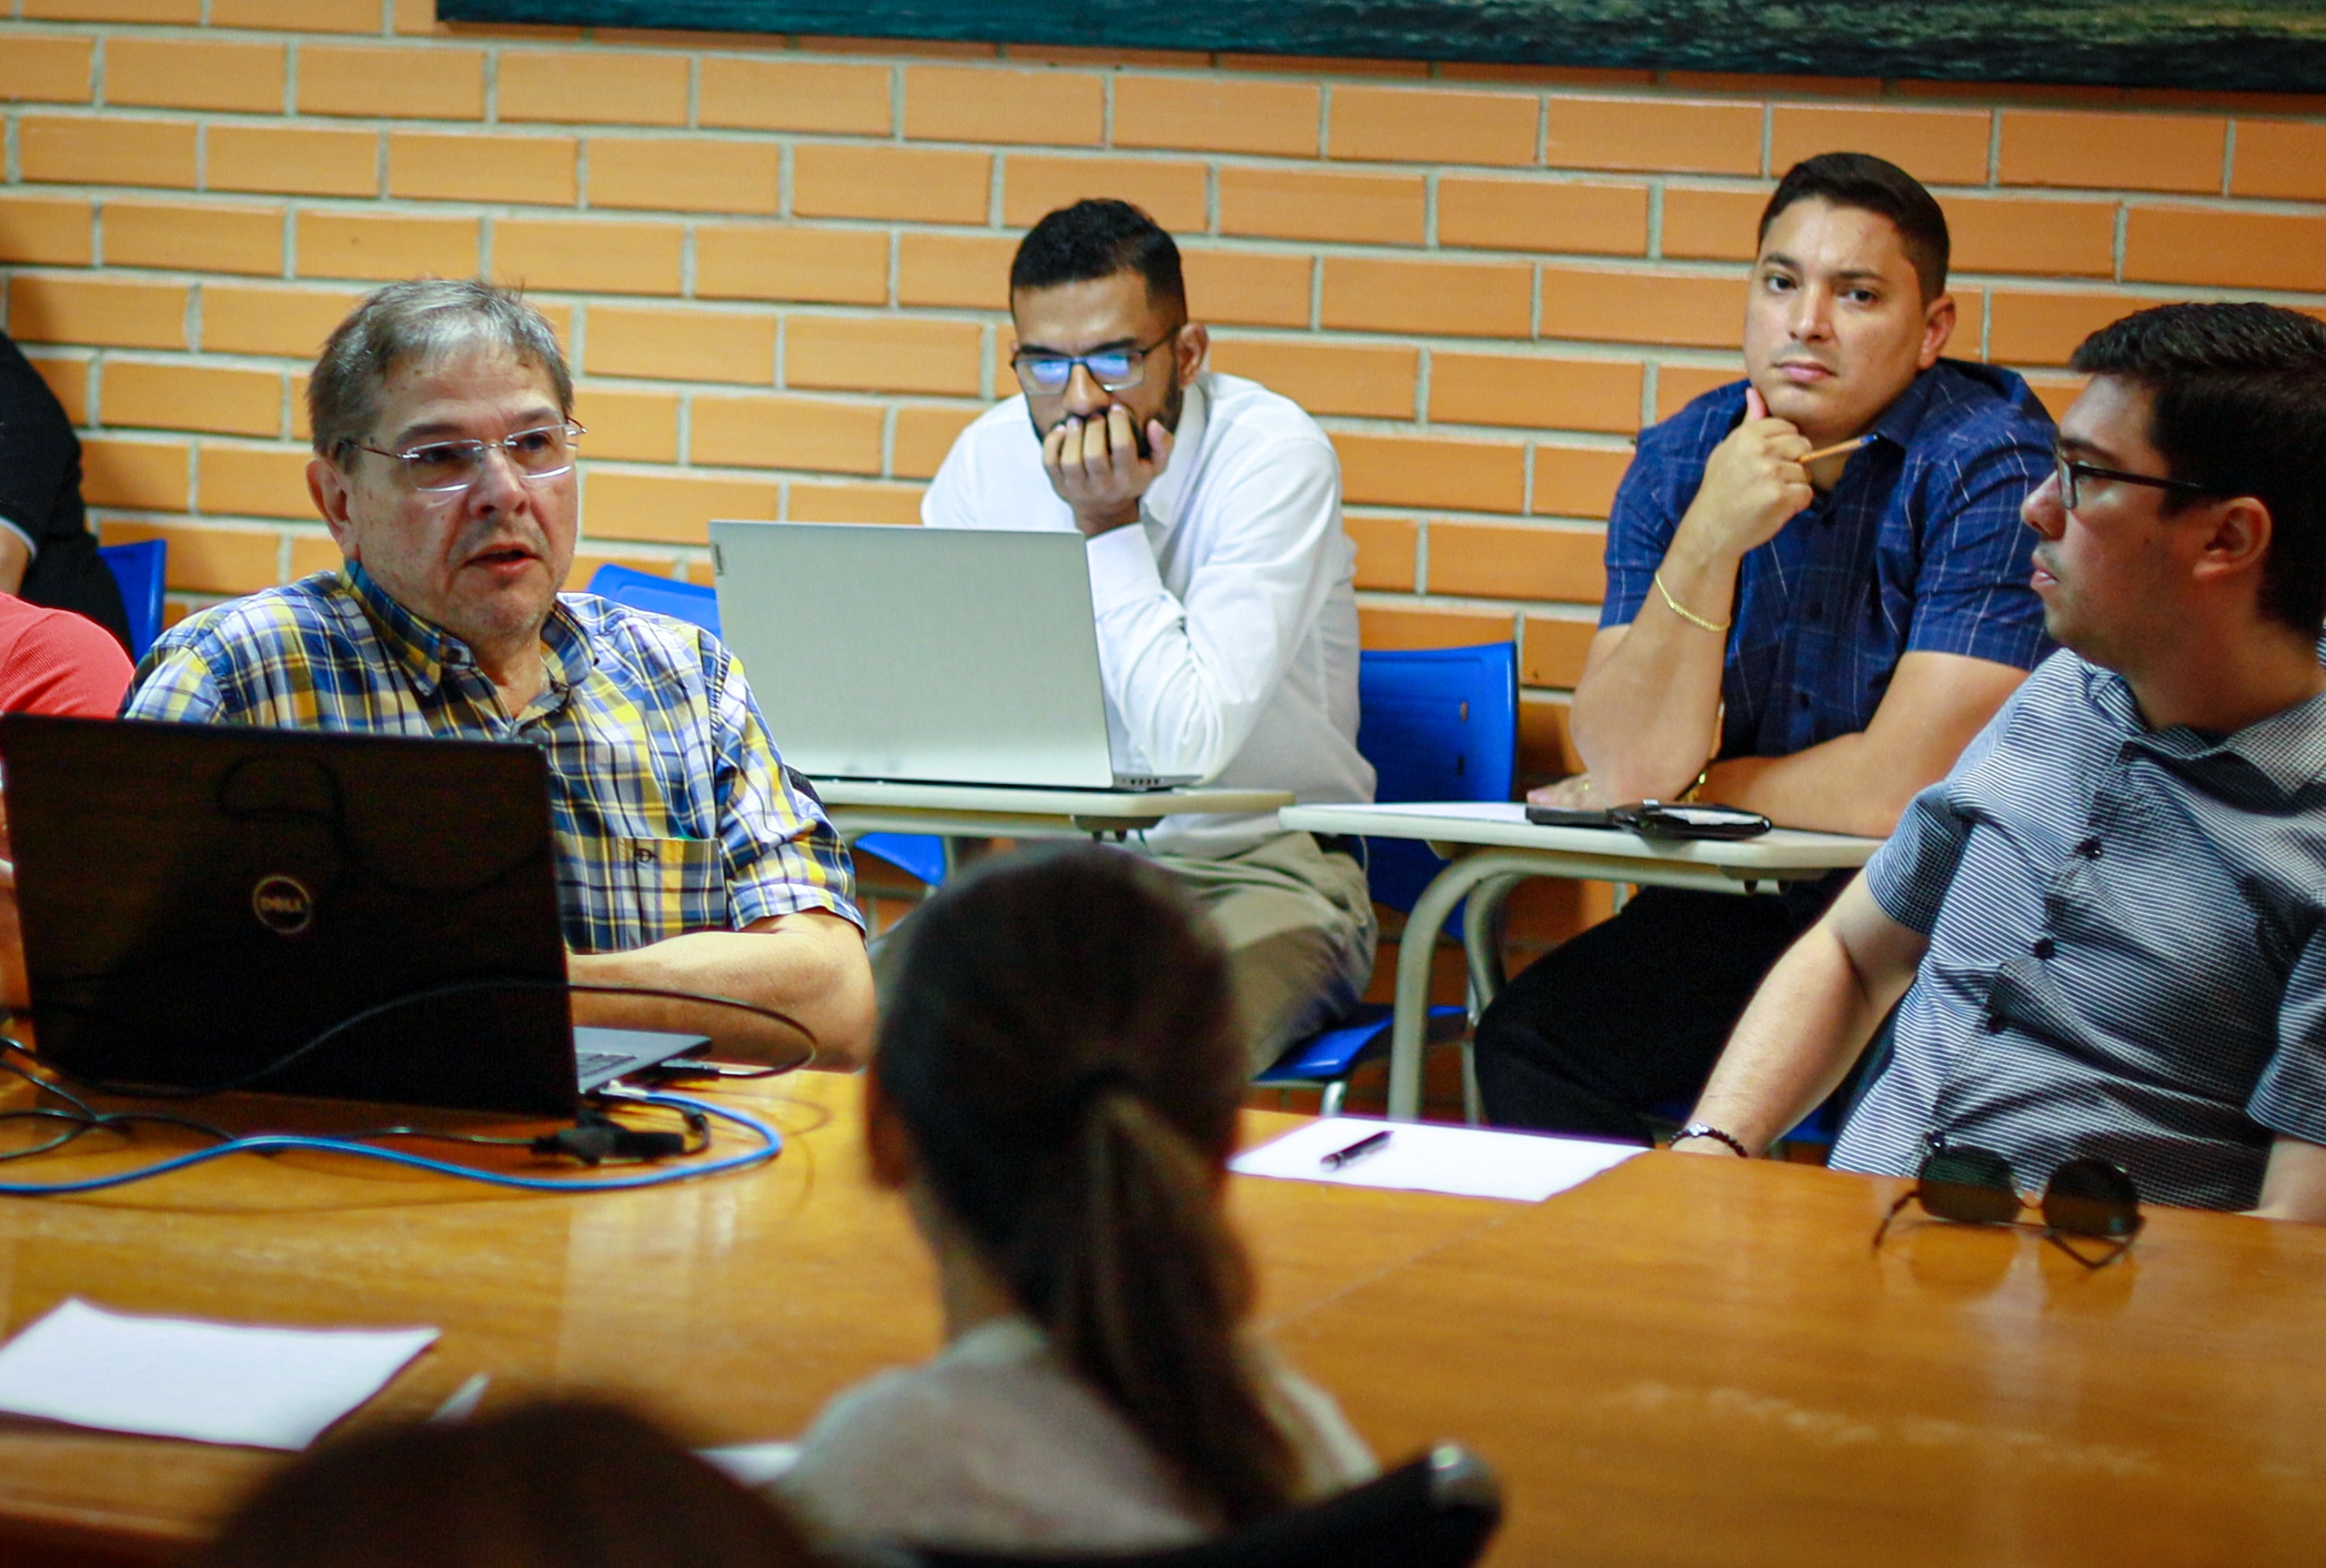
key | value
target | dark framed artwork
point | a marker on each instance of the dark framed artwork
(2270, 45)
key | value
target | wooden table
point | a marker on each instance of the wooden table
(1685, 1356)
(735, 1307)
(1490, 848)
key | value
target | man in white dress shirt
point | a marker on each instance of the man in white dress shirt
(1222, 580)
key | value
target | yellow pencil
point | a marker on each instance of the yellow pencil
(1835, 449)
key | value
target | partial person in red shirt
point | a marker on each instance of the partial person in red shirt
(54, 661)
(51, 661)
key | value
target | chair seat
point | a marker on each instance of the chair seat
(1332, 1053)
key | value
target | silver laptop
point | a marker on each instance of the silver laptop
(922, 655)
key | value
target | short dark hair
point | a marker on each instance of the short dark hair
(415, 323)
(1098, 237)
(2238, 405)
(1876, 185)
(557, 1484)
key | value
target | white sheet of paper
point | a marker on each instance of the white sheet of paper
(1430, 1157)
(752, 1463)
(212, 1383)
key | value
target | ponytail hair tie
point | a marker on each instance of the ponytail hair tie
(1074, 1103)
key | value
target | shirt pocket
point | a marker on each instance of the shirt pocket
(668, 886)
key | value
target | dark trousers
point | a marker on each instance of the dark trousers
(1631, 1015)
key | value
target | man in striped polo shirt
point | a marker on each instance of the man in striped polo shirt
(2104, 929)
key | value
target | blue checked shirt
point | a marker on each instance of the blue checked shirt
(1920, 549)
(672, 811)
(2128, 946)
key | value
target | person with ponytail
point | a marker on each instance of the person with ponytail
(1055, 1092)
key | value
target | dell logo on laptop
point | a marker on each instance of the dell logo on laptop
(283, 905)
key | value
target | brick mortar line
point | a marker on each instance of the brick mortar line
(442, 206)
(1372, 168)
(99, 195)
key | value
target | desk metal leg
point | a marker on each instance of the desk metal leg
(1482, 948)
(1408, 1028)
(1482, 938)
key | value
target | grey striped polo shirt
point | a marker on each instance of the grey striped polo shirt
(2127, 955)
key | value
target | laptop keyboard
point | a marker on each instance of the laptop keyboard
(586, 1062)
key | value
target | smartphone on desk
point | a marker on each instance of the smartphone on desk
(1573, 817)
(1658, 819)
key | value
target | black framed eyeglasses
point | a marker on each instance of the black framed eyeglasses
(541, 453)
(2088, 1198)
(2070, 470)
(1115, 370)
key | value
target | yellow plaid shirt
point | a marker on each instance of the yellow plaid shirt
(673, 812)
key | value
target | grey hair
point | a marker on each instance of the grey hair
(412, 324)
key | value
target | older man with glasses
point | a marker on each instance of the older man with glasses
(690, 859)
(1222, 583)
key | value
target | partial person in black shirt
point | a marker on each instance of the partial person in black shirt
(47, 555)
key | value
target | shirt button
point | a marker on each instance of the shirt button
(1800, 700)
(1994, 1024)
(2089, 849)
(2045, 947)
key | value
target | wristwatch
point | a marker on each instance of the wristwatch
(1707, 1130)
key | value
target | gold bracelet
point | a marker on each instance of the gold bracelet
(1686, 614)
(1688, 795)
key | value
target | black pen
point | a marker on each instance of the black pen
(1341, 1158)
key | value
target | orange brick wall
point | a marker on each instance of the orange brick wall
(780, 263)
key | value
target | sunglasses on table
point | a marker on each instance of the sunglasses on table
(2088, 1198)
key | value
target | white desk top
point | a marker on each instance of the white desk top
(1148, 805)
(1504, 825)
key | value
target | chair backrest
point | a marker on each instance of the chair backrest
(922, 854)
(1436, 724)
(662, 595)
(1437, 1510)
(140, 569)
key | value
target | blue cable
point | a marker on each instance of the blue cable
(770, 1145)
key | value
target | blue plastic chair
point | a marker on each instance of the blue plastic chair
(140, 569)
(921, 854)
(679, 600)
(1436, 724)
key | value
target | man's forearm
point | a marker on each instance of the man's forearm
(1649, 700)
(1862, 783)
(810, 967)
(1643, 717)
(1839, 786)
(1645, 711)
(2293, 1186)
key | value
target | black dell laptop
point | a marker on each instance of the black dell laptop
(200, 902)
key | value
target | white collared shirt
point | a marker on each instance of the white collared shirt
(1227, 620)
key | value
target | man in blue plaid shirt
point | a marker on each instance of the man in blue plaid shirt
(1814, 637)
(690, 858)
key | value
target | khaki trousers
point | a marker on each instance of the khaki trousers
(1298, 925)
